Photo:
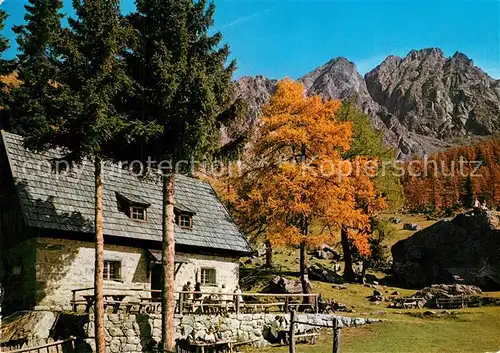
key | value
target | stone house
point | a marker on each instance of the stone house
(46, 230)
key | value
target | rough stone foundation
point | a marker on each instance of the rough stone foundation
(142, 333)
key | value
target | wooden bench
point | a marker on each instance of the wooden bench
(252, 307)
(313, 337)
(409, 303)
(298, 337)
(296, 306)
(456, 302)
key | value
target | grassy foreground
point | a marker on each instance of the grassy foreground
(402, 331)
(470, 330)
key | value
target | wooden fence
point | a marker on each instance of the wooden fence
(186, 301)
(291, 334)
(66, 345)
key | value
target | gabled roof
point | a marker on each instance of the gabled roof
(66, 201)
(133, 199)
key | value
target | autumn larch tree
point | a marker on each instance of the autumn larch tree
(83, 119)
(456, 183)
(183, 83)
(296, 177)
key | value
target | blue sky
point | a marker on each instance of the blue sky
(290, 38)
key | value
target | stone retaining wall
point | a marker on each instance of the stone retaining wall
(141, 333)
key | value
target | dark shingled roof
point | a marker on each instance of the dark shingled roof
(65, 201)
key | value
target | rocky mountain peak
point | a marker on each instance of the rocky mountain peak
(435, 53)
(256, 91)
(421, 102)
(339, 79)
(436, 96)
(458, 56)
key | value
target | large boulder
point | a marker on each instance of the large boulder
(30, 328)
(447, 290)
(324, 274)
(465, 250)
(284, 285)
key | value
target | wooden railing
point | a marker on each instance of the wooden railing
(236, 302)
(66, 345)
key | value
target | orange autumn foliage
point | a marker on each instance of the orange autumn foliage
(452, 179)
(296, 177)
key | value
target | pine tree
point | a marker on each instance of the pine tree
(182, 83)
(368, 143)
(6, 67)
(38, 63)
(84, 119)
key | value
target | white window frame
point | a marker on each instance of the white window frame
(135, 211)
(186, 221)
(107, 272)
(203, 278)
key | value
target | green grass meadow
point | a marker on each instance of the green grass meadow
(401, 331)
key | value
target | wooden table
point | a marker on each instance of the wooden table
(217, 346)
(110, 299)
(150, 305)
(90, 302)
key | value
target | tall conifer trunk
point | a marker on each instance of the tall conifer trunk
(168, 254)
(304, 275)
(100, 336)
(346, 249)
(269, 254)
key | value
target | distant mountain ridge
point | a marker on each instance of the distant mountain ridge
(422, 103)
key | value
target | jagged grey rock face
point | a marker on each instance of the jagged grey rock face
(435, 96)
(256, 91)
(339, 79)
(421, 103)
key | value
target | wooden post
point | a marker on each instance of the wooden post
(316, 304)
(336, 336)
(74, 301)
(181, 303)
(291, 333)
(286, 304)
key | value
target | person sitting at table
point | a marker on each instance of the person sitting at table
(238, 298)
(186, 297)
(211, 335)
(197, 290)
(278, 329)
(224, 297)
(187, 288)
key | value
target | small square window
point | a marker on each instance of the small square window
(208, 276)
(112, 270)
(138, 213)
(185, 220)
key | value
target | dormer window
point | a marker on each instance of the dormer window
(138, 213)
(185, 220)
(183, 216)
(133, 206)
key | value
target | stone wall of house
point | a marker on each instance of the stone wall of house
(227, 271)
(19, 276)
(141, 333)
(63, 265)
